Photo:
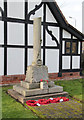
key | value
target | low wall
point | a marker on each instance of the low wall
(13, 79)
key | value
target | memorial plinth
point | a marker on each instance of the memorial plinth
(32, 87)
(35, 73)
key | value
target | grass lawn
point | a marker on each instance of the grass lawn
(73, 87)
(13, 109)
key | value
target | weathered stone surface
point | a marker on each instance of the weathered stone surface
(23, 99)
(19, 89)
(51, 84)
(55, 89)
(37, 42)
(43, 85)
(30, 85)
(31, 92)
(35, 73)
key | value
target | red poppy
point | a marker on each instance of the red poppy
(47, 81)
(43, 101)
(41, 80)
(31, 102)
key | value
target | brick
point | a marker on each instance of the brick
(52, 76)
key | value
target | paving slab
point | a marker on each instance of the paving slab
(69, 109)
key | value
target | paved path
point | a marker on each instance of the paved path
(69, 109)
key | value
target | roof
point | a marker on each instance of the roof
(57, 13)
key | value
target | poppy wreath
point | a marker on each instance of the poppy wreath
(43, 101)
(65, 99)
(55, 100)
(31, 103)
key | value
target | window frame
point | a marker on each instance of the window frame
(70, 48)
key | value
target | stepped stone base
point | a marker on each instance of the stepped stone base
(27, 85)
(23, 99)
(32, 92)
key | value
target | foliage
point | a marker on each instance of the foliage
(13, 109)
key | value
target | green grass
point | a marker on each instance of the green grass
(73, 87)
(13, 109)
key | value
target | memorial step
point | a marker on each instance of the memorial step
(23, 99)
(32, 92)
(27, 85)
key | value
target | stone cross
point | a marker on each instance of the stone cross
(37, 42)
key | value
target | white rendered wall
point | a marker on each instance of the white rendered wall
(74, 37)
(49, 16)
(52, 60)
(1, 32)
(1, 61)
(66, 34)
(15, 9)
(76, 62)
(30, 34)
(55, 32)
(15, 33)
(1, 5)
(78, 47)
(63, 47)
(31, 6)
(66, 62)
(15, 61)
(83, 16)
(30, 56)
(1, 42)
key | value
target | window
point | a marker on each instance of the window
(71, 47)
(67, 47)
(74, 47)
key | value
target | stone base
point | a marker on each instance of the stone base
(32, 92)
(23, 99)
(27, 85)
(36, 73)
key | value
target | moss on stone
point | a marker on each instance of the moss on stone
(70, 109)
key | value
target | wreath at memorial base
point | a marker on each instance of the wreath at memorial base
(45, 101)
(31, 103)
